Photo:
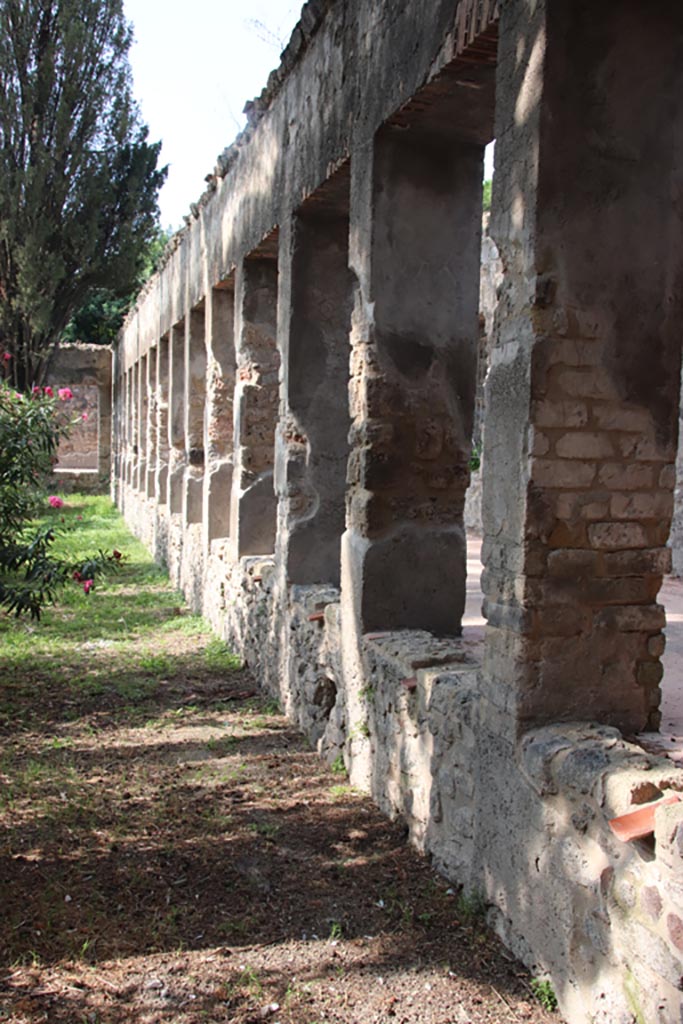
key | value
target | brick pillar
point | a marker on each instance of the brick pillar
(152, 412)
(313, 438)
(219, 442)
(415, 248)
(582, 404)
(140, 446)
(117, 426)
(162, 392)
(105, 425)
(195, 397)
(176, 419)
(253, 503)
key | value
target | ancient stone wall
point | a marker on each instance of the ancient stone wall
(85, 455)
(295, 399)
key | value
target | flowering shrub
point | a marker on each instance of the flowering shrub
(30, 429)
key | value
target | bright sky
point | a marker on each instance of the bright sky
(195, 64)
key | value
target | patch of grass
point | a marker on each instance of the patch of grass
(159, 665)
(338, 766)
(471, 908)
(544, 992)
(247, 983)
(221, 745)
(341, 792)
(264, 828)
(219, 658)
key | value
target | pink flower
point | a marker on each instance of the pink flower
(55, 502)
(65, 394)
(6, 356)
(77, 576)
(84, 416)
(49, 392)
(88, 585)
(35, 390)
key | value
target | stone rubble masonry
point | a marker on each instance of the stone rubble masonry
(85, 457)
(294, 403)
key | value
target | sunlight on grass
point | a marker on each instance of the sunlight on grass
(116, 643)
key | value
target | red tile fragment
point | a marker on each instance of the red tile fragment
(637, 824)
(317, 617)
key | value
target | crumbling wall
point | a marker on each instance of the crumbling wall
(295, 398)
(85, 455)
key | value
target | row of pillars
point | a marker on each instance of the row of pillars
(353, 465)
(329, 386)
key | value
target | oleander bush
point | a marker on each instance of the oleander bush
(31, 576)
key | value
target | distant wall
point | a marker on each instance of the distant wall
(85, 454)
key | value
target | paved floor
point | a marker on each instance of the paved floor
(669, 739)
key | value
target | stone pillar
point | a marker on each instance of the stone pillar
(253, 503)
(116, 435)
(220, 344)
(195, 396)
(152, 412)
(139, 414)
(162, 423)
(313, 439)
(583, 391)
(105, 427)
(131, 425)
(176, 419)
(143, 423)
(415, 247)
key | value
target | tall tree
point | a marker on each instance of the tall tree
(78, 180)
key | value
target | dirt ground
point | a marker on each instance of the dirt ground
(172, 851)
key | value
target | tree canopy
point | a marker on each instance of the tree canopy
(78, 180)
(99, 319)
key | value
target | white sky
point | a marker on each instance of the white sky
(195, 64)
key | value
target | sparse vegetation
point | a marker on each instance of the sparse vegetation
(173, 849)
(543, 990)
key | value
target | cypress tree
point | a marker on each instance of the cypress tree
(79, 181)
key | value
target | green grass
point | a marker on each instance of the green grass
(543, 990)
(106, 643)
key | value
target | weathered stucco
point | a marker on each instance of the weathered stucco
(85, 455)
(295, 399)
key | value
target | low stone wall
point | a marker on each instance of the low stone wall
(524, 826)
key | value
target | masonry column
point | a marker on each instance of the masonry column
(176, 419)
(415, 243)
(313, 447)
(583, 390)
(105, 465)
(152, 413)
(253, 503)
(117, 427)
(195, 396)
(130, 427)
(162, 391)
(140, 399)
(220, 346)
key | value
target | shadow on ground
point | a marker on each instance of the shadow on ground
(172, 850)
